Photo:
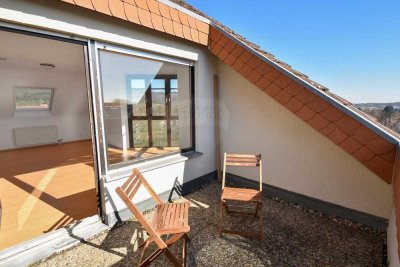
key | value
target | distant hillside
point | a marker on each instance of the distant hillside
(388, 117)
(377, 105)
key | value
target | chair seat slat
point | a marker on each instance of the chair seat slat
(243, 164)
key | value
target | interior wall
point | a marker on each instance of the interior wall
(70, 112)
(295, 156)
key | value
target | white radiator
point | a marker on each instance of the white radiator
(31, 136)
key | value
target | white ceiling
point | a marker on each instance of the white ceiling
(25, 51)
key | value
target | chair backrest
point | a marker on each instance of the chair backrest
(242, 160)
(128, 190)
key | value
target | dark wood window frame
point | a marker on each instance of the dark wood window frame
(168, 116)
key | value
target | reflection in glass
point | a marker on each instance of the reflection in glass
(145, 114)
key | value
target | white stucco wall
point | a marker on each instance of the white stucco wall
(70, 110)
(295, 156)
(70, 16)
(392, 244)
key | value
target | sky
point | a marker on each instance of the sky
(350, 46)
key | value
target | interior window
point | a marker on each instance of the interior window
(148, 107)
(33, 98)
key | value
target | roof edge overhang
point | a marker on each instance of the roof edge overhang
(185, 10)
(375, 128)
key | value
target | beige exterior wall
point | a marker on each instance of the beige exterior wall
(295, 156)
(392, 245)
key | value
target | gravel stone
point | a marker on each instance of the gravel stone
(293, 236)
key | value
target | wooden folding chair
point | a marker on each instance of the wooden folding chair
(170, 219)
(242, 194)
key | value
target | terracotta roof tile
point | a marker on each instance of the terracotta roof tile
(153, 7)
(272, 89)
(195, 35)
(337, 136)
(131, 13)
(145, 18)
(363, 154)
(168, 27)
(216, 48)
(347, 124)
(273, 74)
(203, 38)
(254, 76)
(157, 22)
(364, 135)
(318, 122)
(183, 18)
(294, 105)
(294, 88)
(178, 29)
(84, 3)
(381, 166)
(174, 15)
(332, 113)
(306, 96)
(101, 6)
(245, 71)
(390, 156)
(164, 10)
(328, 129)
(237, 65)
(305, 113)
(203, 27)
(186, 32)
(379, 145)
(283, 81)
(117, 9)
(142, 4)
(283, 97)
(230, 59)
(192, 22)
(350, 145)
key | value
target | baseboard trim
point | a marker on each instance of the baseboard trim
(312, 203)
(177, 190)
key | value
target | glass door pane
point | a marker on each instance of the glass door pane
(158, 97)
(159, 129)
(140, 131)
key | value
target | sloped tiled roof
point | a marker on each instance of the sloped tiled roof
(151, 14)
(357, 133)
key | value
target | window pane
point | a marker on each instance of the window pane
(33, 98)
(174, 133)
(140, 131)
(158, 97)
(158, 83)
(174, 102)
(138, 98)
(174, 83)
(159, 129)
(145, 114)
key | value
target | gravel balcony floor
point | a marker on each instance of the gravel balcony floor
(293, 236)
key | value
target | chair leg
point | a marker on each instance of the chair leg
(261, 222)
(188, 238)
(172, 258)
(151, 258)
(220, 219)
(257, 207)
(184, 250)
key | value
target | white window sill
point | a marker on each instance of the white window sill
(149, 165)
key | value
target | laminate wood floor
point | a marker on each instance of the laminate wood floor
(45, 188)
